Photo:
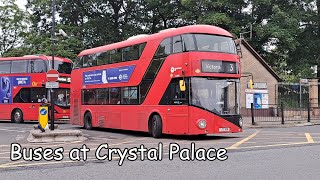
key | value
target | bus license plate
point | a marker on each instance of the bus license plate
(65, 117)
(224, 129)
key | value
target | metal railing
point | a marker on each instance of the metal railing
(282, 114)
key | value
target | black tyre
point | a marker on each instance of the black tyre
(156, 126)
(88, 121)
(17, 116)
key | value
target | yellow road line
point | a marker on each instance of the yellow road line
(237, 144)
(309, 138)
(11, 130)
(15, 164)
(127, 141)
(35, 164)
(288, 138)
(273, 145)
(11, 163)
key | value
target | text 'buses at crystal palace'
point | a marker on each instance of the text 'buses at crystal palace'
(22, 82)
(178, 81)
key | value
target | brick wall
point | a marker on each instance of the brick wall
(249, 63)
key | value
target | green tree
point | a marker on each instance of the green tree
(12, 26)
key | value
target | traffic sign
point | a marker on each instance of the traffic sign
(304, 81)
(52, 75)
(52, 85)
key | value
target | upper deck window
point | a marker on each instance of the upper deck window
(188, 42)
(78, 62)
(63, 67)
(164, 48)
(213, 43)
(177, 44)
(112, 56)
(19, 66)
(5, 67)
(103, 58)
(37, 66)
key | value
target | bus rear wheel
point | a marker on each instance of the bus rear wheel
(156, 126)
(88, 121)
(17, 116)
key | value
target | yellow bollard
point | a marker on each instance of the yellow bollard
(43, 117)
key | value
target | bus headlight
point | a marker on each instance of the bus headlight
(241, 122)
(202, 123)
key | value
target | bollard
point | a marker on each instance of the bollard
(282, 113)
(309, 109)
(252, 114)
(43, 117)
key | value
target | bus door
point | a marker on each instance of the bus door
(177, 108)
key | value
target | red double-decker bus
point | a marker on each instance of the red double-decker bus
(178, 81)
(22, 82)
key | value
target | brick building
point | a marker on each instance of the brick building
(264, 92)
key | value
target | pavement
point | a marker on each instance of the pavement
(262, 122)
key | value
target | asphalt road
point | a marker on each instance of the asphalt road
(271, 153)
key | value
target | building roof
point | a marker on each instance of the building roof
(260, 59)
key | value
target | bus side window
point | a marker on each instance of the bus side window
(78, 63)
(115, 56)
(177, 44)
(115, 95)
(5, 67)
(92, 61)
(88, 96)
(126, 53)
(134, 52)
(141, 48)
(23, 96)
(118, 56)
(103, 58)
(102, 96)
(188, 42)
(85, 62)
(164, 48)
(37, 66)
(37, 94)
(129, 95)
(173, 95)
(19, 66)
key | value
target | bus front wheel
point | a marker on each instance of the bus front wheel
(156, 126)
(88, 121)
(17, 116)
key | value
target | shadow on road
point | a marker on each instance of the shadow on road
(165, 136)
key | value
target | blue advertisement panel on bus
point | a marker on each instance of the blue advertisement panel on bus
(21, 81)
(112, 75)
(6, 84)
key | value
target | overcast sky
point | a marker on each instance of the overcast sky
(21, 3)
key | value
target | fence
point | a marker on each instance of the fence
(282, 114)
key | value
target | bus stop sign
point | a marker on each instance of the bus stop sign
(52, 75)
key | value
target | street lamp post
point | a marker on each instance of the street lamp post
(52, 62)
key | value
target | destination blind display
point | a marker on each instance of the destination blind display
(227, 67)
